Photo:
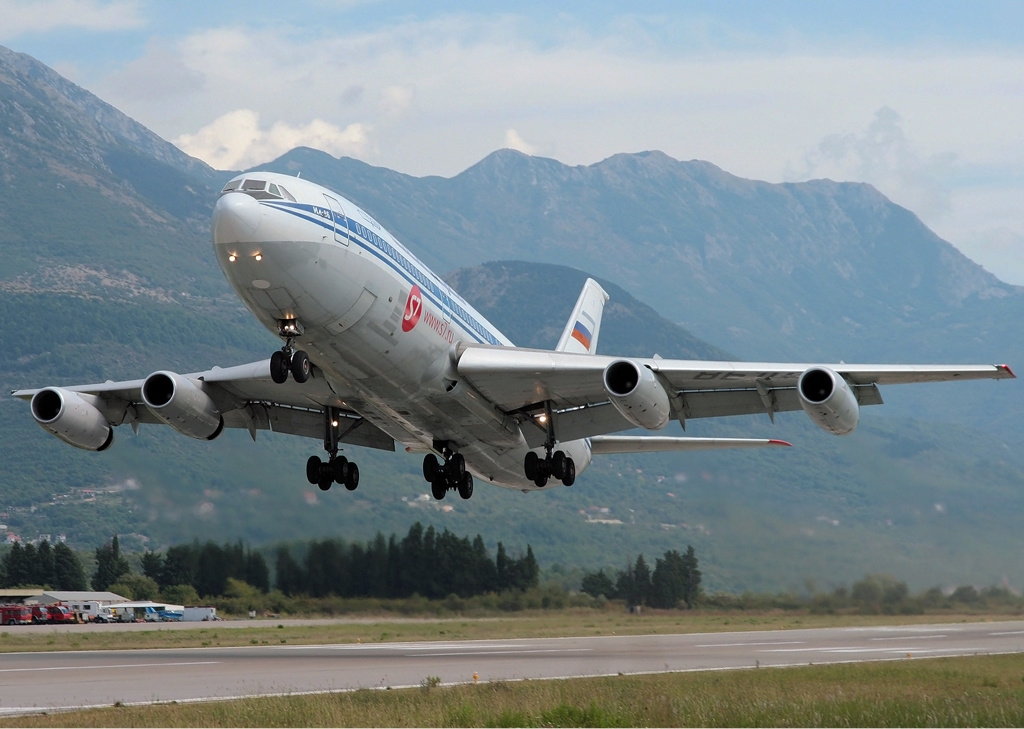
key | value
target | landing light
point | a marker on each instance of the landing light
(258, 256)
(542, 419)
(334, 423)
(232, 257)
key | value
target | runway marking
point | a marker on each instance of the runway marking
(1009, 632)
(507, 653)
(736, 645)
(914, 637)
(857, 649)
(107, 667)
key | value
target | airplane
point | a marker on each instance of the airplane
(390, 353)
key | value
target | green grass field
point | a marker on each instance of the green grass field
(973, 691)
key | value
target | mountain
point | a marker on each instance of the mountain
(89, 193)
(769, 271)
(108, 273)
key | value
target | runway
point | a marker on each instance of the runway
(31, 682)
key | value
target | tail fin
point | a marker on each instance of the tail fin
(580, 334)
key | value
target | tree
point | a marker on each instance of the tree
(152, 565)
(180, 595)
(67, 568)
(597, 583)
(691, 575)
(43, 572)
(16, 567)
(110, 565)
(137, 587)
(291, 579)
(668, 583)
(180, 566)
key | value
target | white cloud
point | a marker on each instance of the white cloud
(35, 16)
(883, 156)
(439, 94)
(514, 141)
(236, 140)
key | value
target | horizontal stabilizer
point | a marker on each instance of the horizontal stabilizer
(605, 444)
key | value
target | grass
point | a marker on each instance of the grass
(527, 624)
(973, 691)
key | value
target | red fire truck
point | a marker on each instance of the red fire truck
(15, 614)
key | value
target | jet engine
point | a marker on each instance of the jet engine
(636, 393)
(72, 417)
(827, 398)
(182, 405)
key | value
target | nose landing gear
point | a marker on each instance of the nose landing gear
(287, 359)
(448, 476)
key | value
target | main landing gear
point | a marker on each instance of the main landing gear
(559, 465)
(287, 359)
(448, 476)
(337, 469)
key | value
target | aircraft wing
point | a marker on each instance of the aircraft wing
(246, 397)
(526, 382)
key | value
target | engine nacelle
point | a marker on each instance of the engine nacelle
(636, 393)
(182, 405)
(827, 398)
(73, 418)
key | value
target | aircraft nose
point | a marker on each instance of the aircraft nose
(236, 217)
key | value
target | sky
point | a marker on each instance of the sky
(924, 100)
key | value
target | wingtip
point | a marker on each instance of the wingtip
(776, 442)
(1007, 370)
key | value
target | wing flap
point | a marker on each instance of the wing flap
(608, 444)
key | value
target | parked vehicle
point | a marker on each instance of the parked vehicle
(199, 614)
(61, 613)
(40, 614)
(15, 614)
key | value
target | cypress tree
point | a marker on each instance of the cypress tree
(67, 568)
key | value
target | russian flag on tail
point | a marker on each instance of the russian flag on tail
(581, 334)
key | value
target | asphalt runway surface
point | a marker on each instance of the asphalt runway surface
(32, 682)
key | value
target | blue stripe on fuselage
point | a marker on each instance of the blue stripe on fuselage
(391, 255)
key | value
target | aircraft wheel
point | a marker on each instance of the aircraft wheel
(352, 479)
(541, 481)
(340, 468)
(558, 465)
(530, 465)
(438, 487)
(570, 472)
(300, 366)
(466, 486)
(429, 467)
(313, 469)
(325, 484)
(457, 467)
(279, 367)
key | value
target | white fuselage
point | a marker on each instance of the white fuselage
(376, 321)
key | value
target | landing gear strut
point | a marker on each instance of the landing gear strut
(287, 359)
(448, 476)
(556, 464)
(337, 469)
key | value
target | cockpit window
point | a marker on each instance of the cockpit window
(279, 191)
(259, 189)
